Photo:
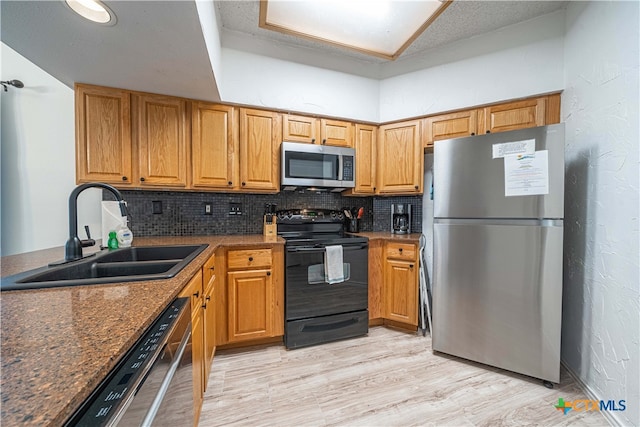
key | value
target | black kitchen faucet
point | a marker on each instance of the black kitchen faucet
(73, 247)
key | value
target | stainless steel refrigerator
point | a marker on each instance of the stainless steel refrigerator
(498, 229)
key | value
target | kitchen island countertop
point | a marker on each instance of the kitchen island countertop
(59, 343)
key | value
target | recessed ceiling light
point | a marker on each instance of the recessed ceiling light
(383, 28)
(93, 10)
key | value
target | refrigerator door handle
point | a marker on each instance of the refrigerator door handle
(546, 222)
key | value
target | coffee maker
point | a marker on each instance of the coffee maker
(401, 218)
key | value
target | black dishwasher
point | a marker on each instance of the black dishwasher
(153, 383)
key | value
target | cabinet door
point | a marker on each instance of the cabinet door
(400, 159)
(401, 291)
(162, 140)
(197, 341)
(250, 304)
(453, 125)
(209, 316)
(365, 146)
(103, 135)
(336, 132)
(300, 128)
(512, 115)
(214, 146)
(260, 139)
(209, 330)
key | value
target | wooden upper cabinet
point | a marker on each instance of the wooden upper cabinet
(214, 146)
(512, 115)
(453, 125)
(400, 162)
(162, 135)
(300, 129)
(103, 135)
(260, 139)
(336, 132)
(365, 146)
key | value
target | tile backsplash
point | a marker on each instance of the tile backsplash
(183, 213)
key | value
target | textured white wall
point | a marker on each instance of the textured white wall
(601, 300)
(526, 59)
(211, 32)
(38, 160)
(273, 83)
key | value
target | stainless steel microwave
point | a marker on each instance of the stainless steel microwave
(317, 166)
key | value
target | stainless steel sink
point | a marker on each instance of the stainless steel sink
(121, 265)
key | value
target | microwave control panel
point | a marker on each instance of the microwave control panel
(347, 168)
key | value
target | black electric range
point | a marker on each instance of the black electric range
(315, 310)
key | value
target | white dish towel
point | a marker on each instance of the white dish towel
(333, 269)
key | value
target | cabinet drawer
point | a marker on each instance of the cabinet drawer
(406, 251)
(249, 258)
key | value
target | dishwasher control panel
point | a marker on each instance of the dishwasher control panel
(115, 392)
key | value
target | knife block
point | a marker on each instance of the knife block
(270, 228)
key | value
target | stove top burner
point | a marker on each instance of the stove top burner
(309, 227)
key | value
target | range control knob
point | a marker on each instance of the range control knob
(340, 216)
(281, 215)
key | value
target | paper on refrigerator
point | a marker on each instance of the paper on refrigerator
(111, 219)
(526, 174)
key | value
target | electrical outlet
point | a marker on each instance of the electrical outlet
(235, 208)
(156, 207)
(208, 209)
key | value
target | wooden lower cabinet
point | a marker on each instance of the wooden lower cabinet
(197, 349)
(208, 317)
(401, 291)
(250, 304)
(393, 283)
(193, 291)
(250, 301)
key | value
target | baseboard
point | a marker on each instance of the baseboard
(591, 394)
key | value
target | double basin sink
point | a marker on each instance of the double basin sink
(120, 265)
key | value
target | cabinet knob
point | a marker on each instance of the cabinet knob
(211, 268)
(204, 305)
(250, 258)
(124, 178)
(488, 131)
(410, 265)
(400, 250)
(374, 188)
(244, 183)
(313, 141)
(209, 298)
(197, 294)
(142, 178)
(230, 183)
(324, 141)
(268, 273)
(416, 187)
(473, 133)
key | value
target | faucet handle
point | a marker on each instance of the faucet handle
(89, 241)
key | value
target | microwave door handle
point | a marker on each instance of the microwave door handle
(340, 161)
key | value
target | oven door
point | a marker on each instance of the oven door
(308, 295)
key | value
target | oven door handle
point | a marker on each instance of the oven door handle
(164, 387)
(321, 248)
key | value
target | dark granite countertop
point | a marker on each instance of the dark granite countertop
(59, 343)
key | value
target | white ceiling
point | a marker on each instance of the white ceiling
(158, 46)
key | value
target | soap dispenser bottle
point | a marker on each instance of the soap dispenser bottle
(125, 236)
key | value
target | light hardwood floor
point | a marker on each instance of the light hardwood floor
(388, 378)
